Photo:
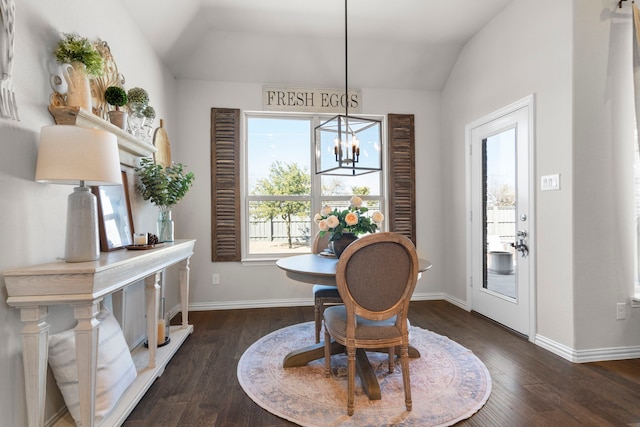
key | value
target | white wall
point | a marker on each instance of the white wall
(583, 131)
(266, 285)
(34, 215)
(603, 127)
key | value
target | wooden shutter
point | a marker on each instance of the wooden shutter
(225, 185)
(402, 187)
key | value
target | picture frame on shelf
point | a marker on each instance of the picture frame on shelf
(115, 221)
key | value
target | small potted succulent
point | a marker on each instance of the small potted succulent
(117, 96)
(83, 59)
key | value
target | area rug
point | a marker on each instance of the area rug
(448, 383)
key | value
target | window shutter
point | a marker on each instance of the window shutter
(225, 185)
(402, 189)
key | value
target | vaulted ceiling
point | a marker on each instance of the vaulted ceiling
(401, 44)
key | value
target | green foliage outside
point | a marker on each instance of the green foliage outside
(283, 180)
(164, 187)
(73, 48)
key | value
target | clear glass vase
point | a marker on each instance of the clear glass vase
(165, 226)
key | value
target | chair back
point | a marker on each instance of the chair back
(320, 243)
(376, 276)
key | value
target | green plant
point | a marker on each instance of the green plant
(116, 96)
(149, 112)
(164, 187)
(350, 220)
(137, 95)
(73, 48)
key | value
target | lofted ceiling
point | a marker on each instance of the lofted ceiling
(401, 44)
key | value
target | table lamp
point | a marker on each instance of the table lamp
(79, 156)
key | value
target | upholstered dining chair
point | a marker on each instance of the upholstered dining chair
(323, 295)
(376, 276)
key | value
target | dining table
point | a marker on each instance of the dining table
(321, 269)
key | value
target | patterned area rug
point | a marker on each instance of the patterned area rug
(448, 383)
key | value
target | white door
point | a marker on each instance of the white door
(500, 231)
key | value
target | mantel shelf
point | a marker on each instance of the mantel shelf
(129, 146)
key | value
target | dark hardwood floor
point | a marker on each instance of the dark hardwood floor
(531, 386)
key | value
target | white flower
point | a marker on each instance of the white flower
(322, 225)
(326, 210)
(332, 221)
(377, 217)
(356, 201)
(317, 218)
(351, 219)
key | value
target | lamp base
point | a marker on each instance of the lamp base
(82, 226)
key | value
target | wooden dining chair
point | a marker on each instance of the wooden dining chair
(323, 295)
(376, 276)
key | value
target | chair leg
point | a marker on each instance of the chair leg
(404, 363)
(317, 314)
(351, 368)
(327, 353)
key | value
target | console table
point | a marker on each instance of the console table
(83, 286)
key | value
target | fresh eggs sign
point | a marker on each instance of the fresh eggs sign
(307, 100)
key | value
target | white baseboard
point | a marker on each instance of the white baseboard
(289, 302)
(590, 355)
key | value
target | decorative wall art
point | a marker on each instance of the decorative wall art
(8, 105)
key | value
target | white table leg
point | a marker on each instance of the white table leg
(152, 296)
(184, 291)
(86, 333)
(35, 351)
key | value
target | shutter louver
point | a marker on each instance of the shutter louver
(402, 192)
(225, 185)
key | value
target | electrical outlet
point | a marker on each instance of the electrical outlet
(621, 311)
(215, 279)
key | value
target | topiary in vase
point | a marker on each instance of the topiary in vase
(164, 187)
(83, 59)
(117, 96)
(138, 101)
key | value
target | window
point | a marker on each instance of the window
(281, 191)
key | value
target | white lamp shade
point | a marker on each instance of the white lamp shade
(70, 154)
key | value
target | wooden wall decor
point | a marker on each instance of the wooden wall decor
(402, 187)
(226, 229)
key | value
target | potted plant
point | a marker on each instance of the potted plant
(149, 114)
(117, 96)
(164, 187)
(138, 101)
(83, 59)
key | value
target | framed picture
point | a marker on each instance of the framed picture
(115, 222)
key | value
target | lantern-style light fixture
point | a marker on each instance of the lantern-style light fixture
(348, 145)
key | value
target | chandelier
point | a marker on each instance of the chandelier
(348, 145)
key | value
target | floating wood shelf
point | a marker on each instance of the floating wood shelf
(129, 146)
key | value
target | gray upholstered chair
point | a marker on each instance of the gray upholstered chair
(376, 276)
(323, 295)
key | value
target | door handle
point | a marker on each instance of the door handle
(520, 245)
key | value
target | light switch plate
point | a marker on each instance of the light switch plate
(550, 182)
